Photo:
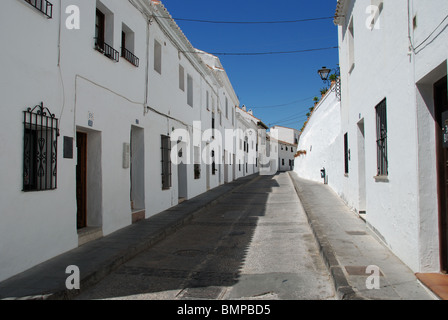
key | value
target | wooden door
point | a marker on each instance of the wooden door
(81, 180)
(441, 113)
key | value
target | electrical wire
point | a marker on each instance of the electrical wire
(283, 105)
(247, 22)
(289, 119)
(430, 35)
(261, 53)
(264, 53)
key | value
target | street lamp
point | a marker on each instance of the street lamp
(324, 74)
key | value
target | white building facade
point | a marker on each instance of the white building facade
(393, 59)
(287, 139)
(97, 109)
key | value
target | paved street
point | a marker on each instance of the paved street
(255, 243)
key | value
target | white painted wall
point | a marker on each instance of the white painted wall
(26, 218)
(402, 210)
(61, 68)
(288, 135)
(322, 141)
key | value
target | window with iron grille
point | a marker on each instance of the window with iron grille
(381, 141)
(43, 6)
(166, 162)
(40, 149)
(103, 39)
(128, 45)
(346, 154)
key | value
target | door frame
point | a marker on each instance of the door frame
(81, 180)
(441, 106)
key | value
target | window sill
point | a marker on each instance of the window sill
(381, 178)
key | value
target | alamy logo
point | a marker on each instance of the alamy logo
(373, 281)
(373, 20)
(73, 21)
(73, 280)
(250, 147)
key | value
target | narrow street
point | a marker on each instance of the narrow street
(254, 244)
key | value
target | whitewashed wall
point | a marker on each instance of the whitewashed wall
(61, 68)
(403, 209)
(323, 143)
(288, 135)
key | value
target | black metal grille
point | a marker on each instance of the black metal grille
(129, 56)
(381, 129)
(40, 149)
(43, 6)
(166, 162)
(107, 50)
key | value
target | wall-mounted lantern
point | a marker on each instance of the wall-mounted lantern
(324, 74)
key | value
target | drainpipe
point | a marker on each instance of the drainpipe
(145, 111)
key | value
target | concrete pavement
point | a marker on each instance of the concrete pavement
(100, 257)
(349, 247)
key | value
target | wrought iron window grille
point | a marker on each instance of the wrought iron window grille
(130, 57)
(43, 6)
(381, 128)
(166, 162)
(41, 132)
(107, 50)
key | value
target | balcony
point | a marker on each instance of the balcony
(43, 6)
(107, 50)
(129, 56)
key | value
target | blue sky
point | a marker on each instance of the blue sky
(266, 80)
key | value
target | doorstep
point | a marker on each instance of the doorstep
(88, 234)
(436, 282)
(138, 215)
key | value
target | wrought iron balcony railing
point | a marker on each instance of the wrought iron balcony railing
(107, 50)
(129, 56)
(43, 6)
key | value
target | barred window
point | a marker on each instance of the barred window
(166, 162)
(381, 131)
(43, 6)
(40, 149)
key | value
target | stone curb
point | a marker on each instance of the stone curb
(344, 291)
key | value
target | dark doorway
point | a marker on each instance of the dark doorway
(81, 180)
(441, 113)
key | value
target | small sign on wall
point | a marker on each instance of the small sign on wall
(91, 118)
(68, 148)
